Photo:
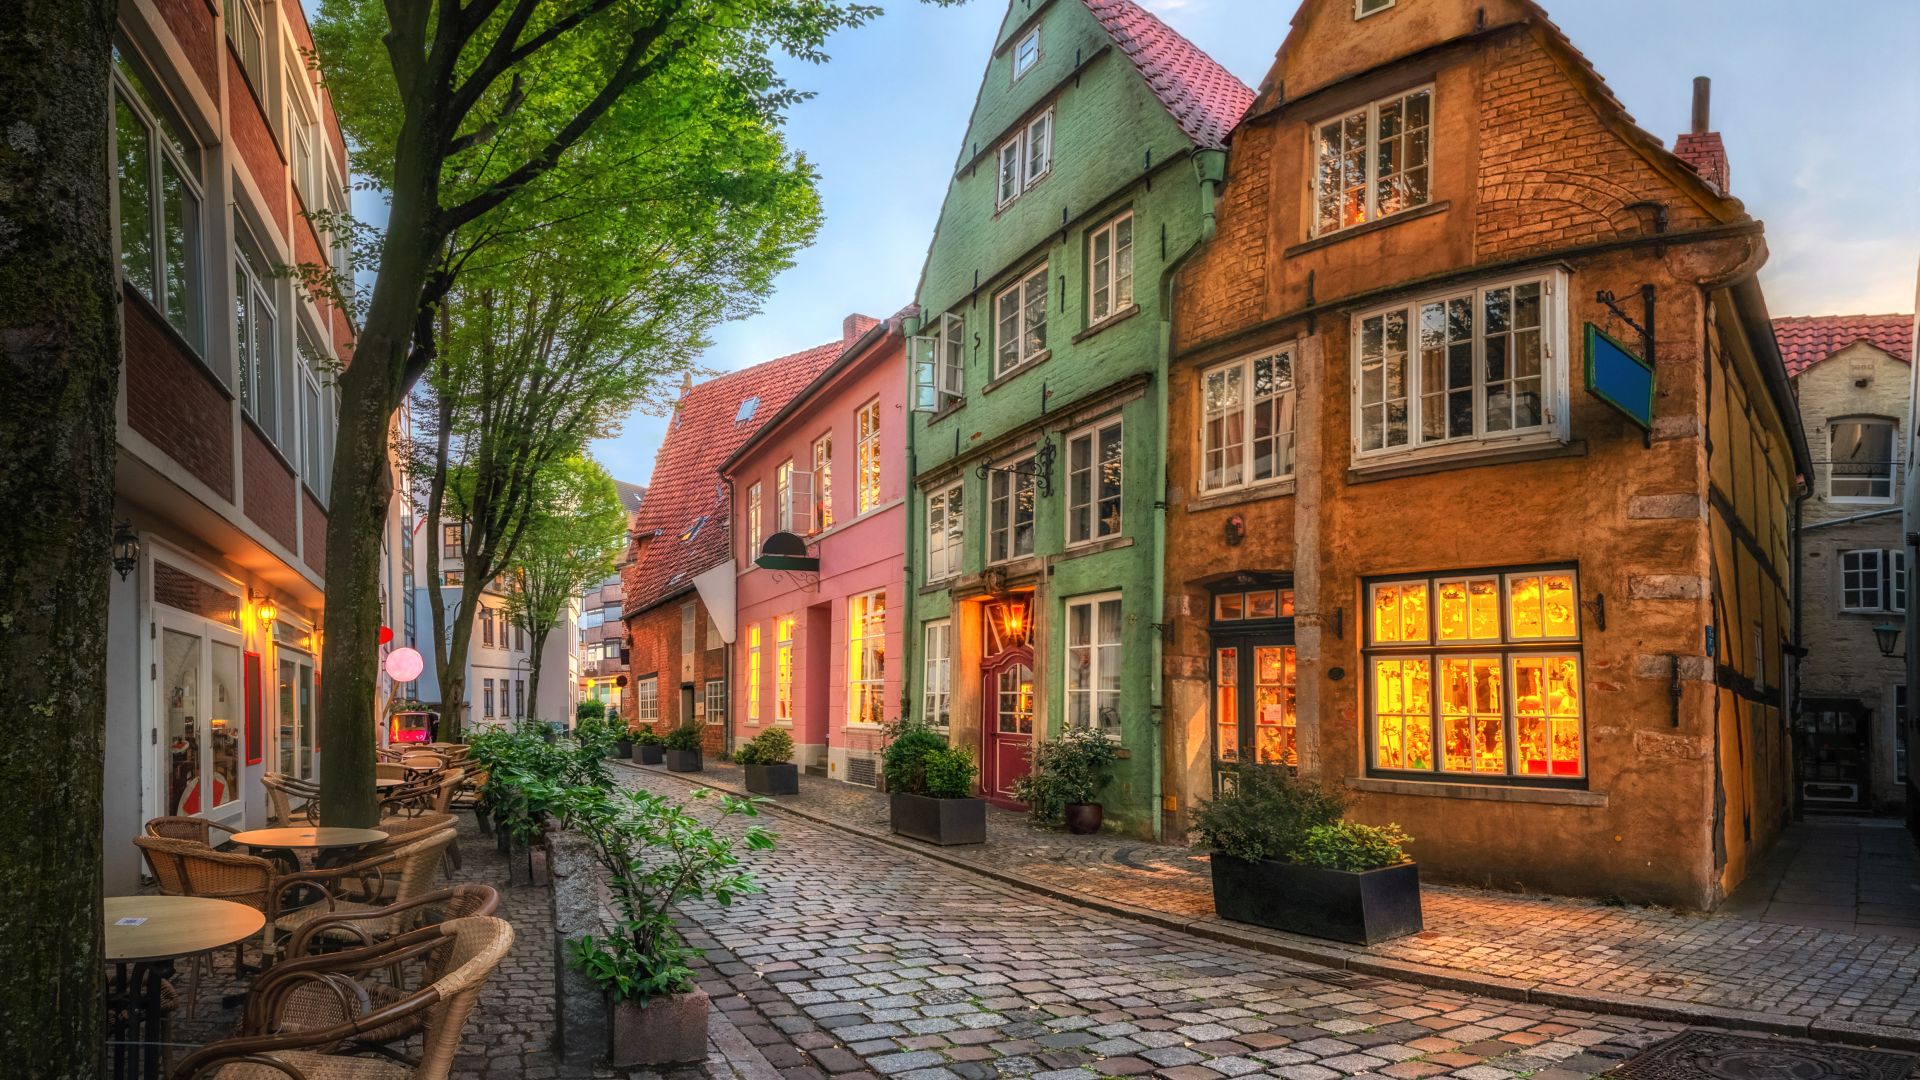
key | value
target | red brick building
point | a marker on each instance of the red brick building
(679, 574)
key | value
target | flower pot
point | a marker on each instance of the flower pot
(781, 778)
(1364, 907)
(623, 748)
(1083, 818)
(683, 761)
(664, 1031)
(939, 821)
(652, 753)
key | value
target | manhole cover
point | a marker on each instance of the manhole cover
(1712, 1055)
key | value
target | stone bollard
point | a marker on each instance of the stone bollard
(581, 1029)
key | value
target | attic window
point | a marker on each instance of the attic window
(747, 408)
(1026, 53)
(693, 529)
(1364, 8)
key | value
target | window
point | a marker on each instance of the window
(519, 697)
(783, 669)
(939, 673)
(1021, 314)
(487, 686)
(747, 409)
(486, 625)
(1873, 580)
(823, 481)
(1093, 484)
(317, 421)
(452, 538)
(1010, 502)
(753, 673)
(939, 365)
(256, 341)
(946, 520)
(1860, 465)
(866, 460)
(519, 638)
(866, 659)
(301, 135)
(783, 497)
(1026, 53)
(1110, 269)
(1247, 400)
(716, 701)
(646, 700)
(1254, 606)
(247, 27)
(1026, 157)
(687, 622)
(1477, 675)
(1093, 663)
(1364, 8)
(157, 197)
(1372, 162)
(753, 522)
(1479, 364)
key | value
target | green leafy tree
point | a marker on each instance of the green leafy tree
(574, 535)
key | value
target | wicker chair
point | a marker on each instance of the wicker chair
(282, 791)
(389, 770)
(189, 868)
(198, 830)
(411, 868)
(402, 830)
(285, 1035)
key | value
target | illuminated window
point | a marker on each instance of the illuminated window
(1025, 158)
(1246, 432)
(753, 522)
(1372, 162)
(753, 673)
(1093, 484)
(1480, 364)
(783, 497)
(1020, 313)
(866, 659)
(783, 669)
(867, 458)
(1026, 53)
(1094, 663)
(1860, 461)
(946, 518)
(823, 480)
(1477, 675)
(1110, 269)
(938, 689)
(1010, 505)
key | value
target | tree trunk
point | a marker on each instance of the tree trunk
(60, 347)
(538, 639)
(436, 599)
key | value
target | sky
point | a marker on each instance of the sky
(1818, 102)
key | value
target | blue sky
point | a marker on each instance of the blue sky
(1818, 101)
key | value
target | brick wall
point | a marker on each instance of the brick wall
(1226, 284)
(269, 487)
(313, 527)
(653, 639)
(192, 24)
(173, 400)
(259, 151)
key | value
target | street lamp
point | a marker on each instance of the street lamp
(1887, 635)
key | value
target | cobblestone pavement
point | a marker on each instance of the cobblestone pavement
(860, 961)
(1715, 968)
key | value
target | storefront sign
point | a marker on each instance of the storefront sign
(1619, 378)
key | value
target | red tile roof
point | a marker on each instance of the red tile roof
(1203, 97)
(685, 490)
(1805, 340)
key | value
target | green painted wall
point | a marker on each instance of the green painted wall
(1115, 148)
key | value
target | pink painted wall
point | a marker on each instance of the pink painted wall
(861, 553)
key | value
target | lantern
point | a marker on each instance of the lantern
(126, 549)
(265, 610)
(1887, 636)
(405, 665)
(386, 634)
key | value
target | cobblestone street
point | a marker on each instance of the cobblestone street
(863, 961)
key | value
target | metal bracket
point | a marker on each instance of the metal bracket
(1644, 328)
(1041, 468)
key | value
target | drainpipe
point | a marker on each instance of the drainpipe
(909, 627)
(1210, 167)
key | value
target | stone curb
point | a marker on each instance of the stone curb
(1333, 956)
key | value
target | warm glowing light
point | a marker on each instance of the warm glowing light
(265, 610)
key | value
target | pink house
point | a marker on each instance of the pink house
(819, 532)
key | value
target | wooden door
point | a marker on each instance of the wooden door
(1007, 701)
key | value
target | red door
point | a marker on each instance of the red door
(1008, 695)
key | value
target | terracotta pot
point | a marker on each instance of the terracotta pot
(1082, 818)
(664, 1031)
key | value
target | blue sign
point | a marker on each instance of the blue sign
(1619, 378)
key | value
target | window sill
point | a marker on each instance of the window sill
(1008, 376)
(1095, 547)
(1376, 225)
(1265, 489)
(1120, 316)
(1479, 792)
(1444, 458)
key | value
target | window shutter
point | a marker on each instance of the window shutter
(800, 491)
(923, 353)
(953, 359)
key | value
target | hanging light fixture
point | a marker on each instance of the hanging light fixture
(126, 549)
(1887, 636)
(265, 610)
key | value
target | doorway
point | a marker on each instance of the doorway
(1833, 766)
(201, 711)
(296, 720)
(1007, 698)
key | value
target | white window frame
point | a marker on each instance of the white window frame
(753, 673)
(716, 701)
(864, 683)
(946, 538)
(822, 454)
(783, 670)
(1020, 59)
(1243, 415)
(487, 687)
(1364, 8)
(1001, 537)
(783, 496)
(1553, 379)
(937, 673)
(866, 457)
(1023, 159)
(1886, 588)
(1112, 274)
(940, 364)
(646, 700)
(304, 141)
(256, 341)
(1370, 162)
(318, 422)
(169, 151)
(753, 522)
(1890, 476)
(1023, 327)
(1090, 437)
(1098, 656)
(247, 27)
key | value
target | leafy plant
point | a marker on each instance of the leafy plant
(646, 736)
(526, 772)
(904, 761)
(684, 737)
(590, 709)
(656, 854)
(949, 773)
(1265, 814)
(1070, 769)
(771, 747)
(1349, 845)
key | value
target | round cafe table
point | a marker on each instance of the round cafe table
(319, 839)
(144, 936)
(384, 785)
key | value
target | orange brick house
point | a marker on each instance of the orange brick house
(1409, 551)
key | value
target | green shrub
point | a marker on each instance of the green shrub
(527, 770)
(590, 709)
(904, 761)
(1349, 845)
(771, 747)
(949, 773)
(646, 736)
(1070, 769)
(1265, 813)
(684, 737)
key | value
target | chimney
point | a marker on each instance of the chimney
(855, 325)
(1701, 148)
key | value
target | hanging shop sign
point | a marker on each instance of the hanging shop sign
(1619, 378)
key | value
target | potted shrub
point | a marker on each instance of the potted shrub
(655, 855)
(683, 749)
(1066, 779)
(765, 760)
(653, 748)
(1284, 858)
(930, 788)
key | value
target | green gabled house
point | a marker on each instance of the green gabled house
(1087, 175)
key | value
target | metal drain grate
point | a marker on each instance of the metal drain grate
(1343, 978)
(1715, 1055)
(860, 771)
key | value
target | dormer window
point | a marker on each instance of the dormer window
(1027, 53)
(1364, 8)
(1372, 162)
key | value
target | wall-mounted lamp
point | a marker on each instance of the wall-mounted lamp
(126, 549)
(264, 610)
(1887, 635)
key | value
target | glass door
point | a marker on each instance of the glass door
(201, 710)
(1254, 710)
(295, 733)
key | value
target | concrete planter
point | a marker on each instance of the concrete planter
(683, 761)
(782, 778)
(664, 1031)
(1364, 908)
(945, 822)
(652, 754)
(623, 749)
(1083, 818)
